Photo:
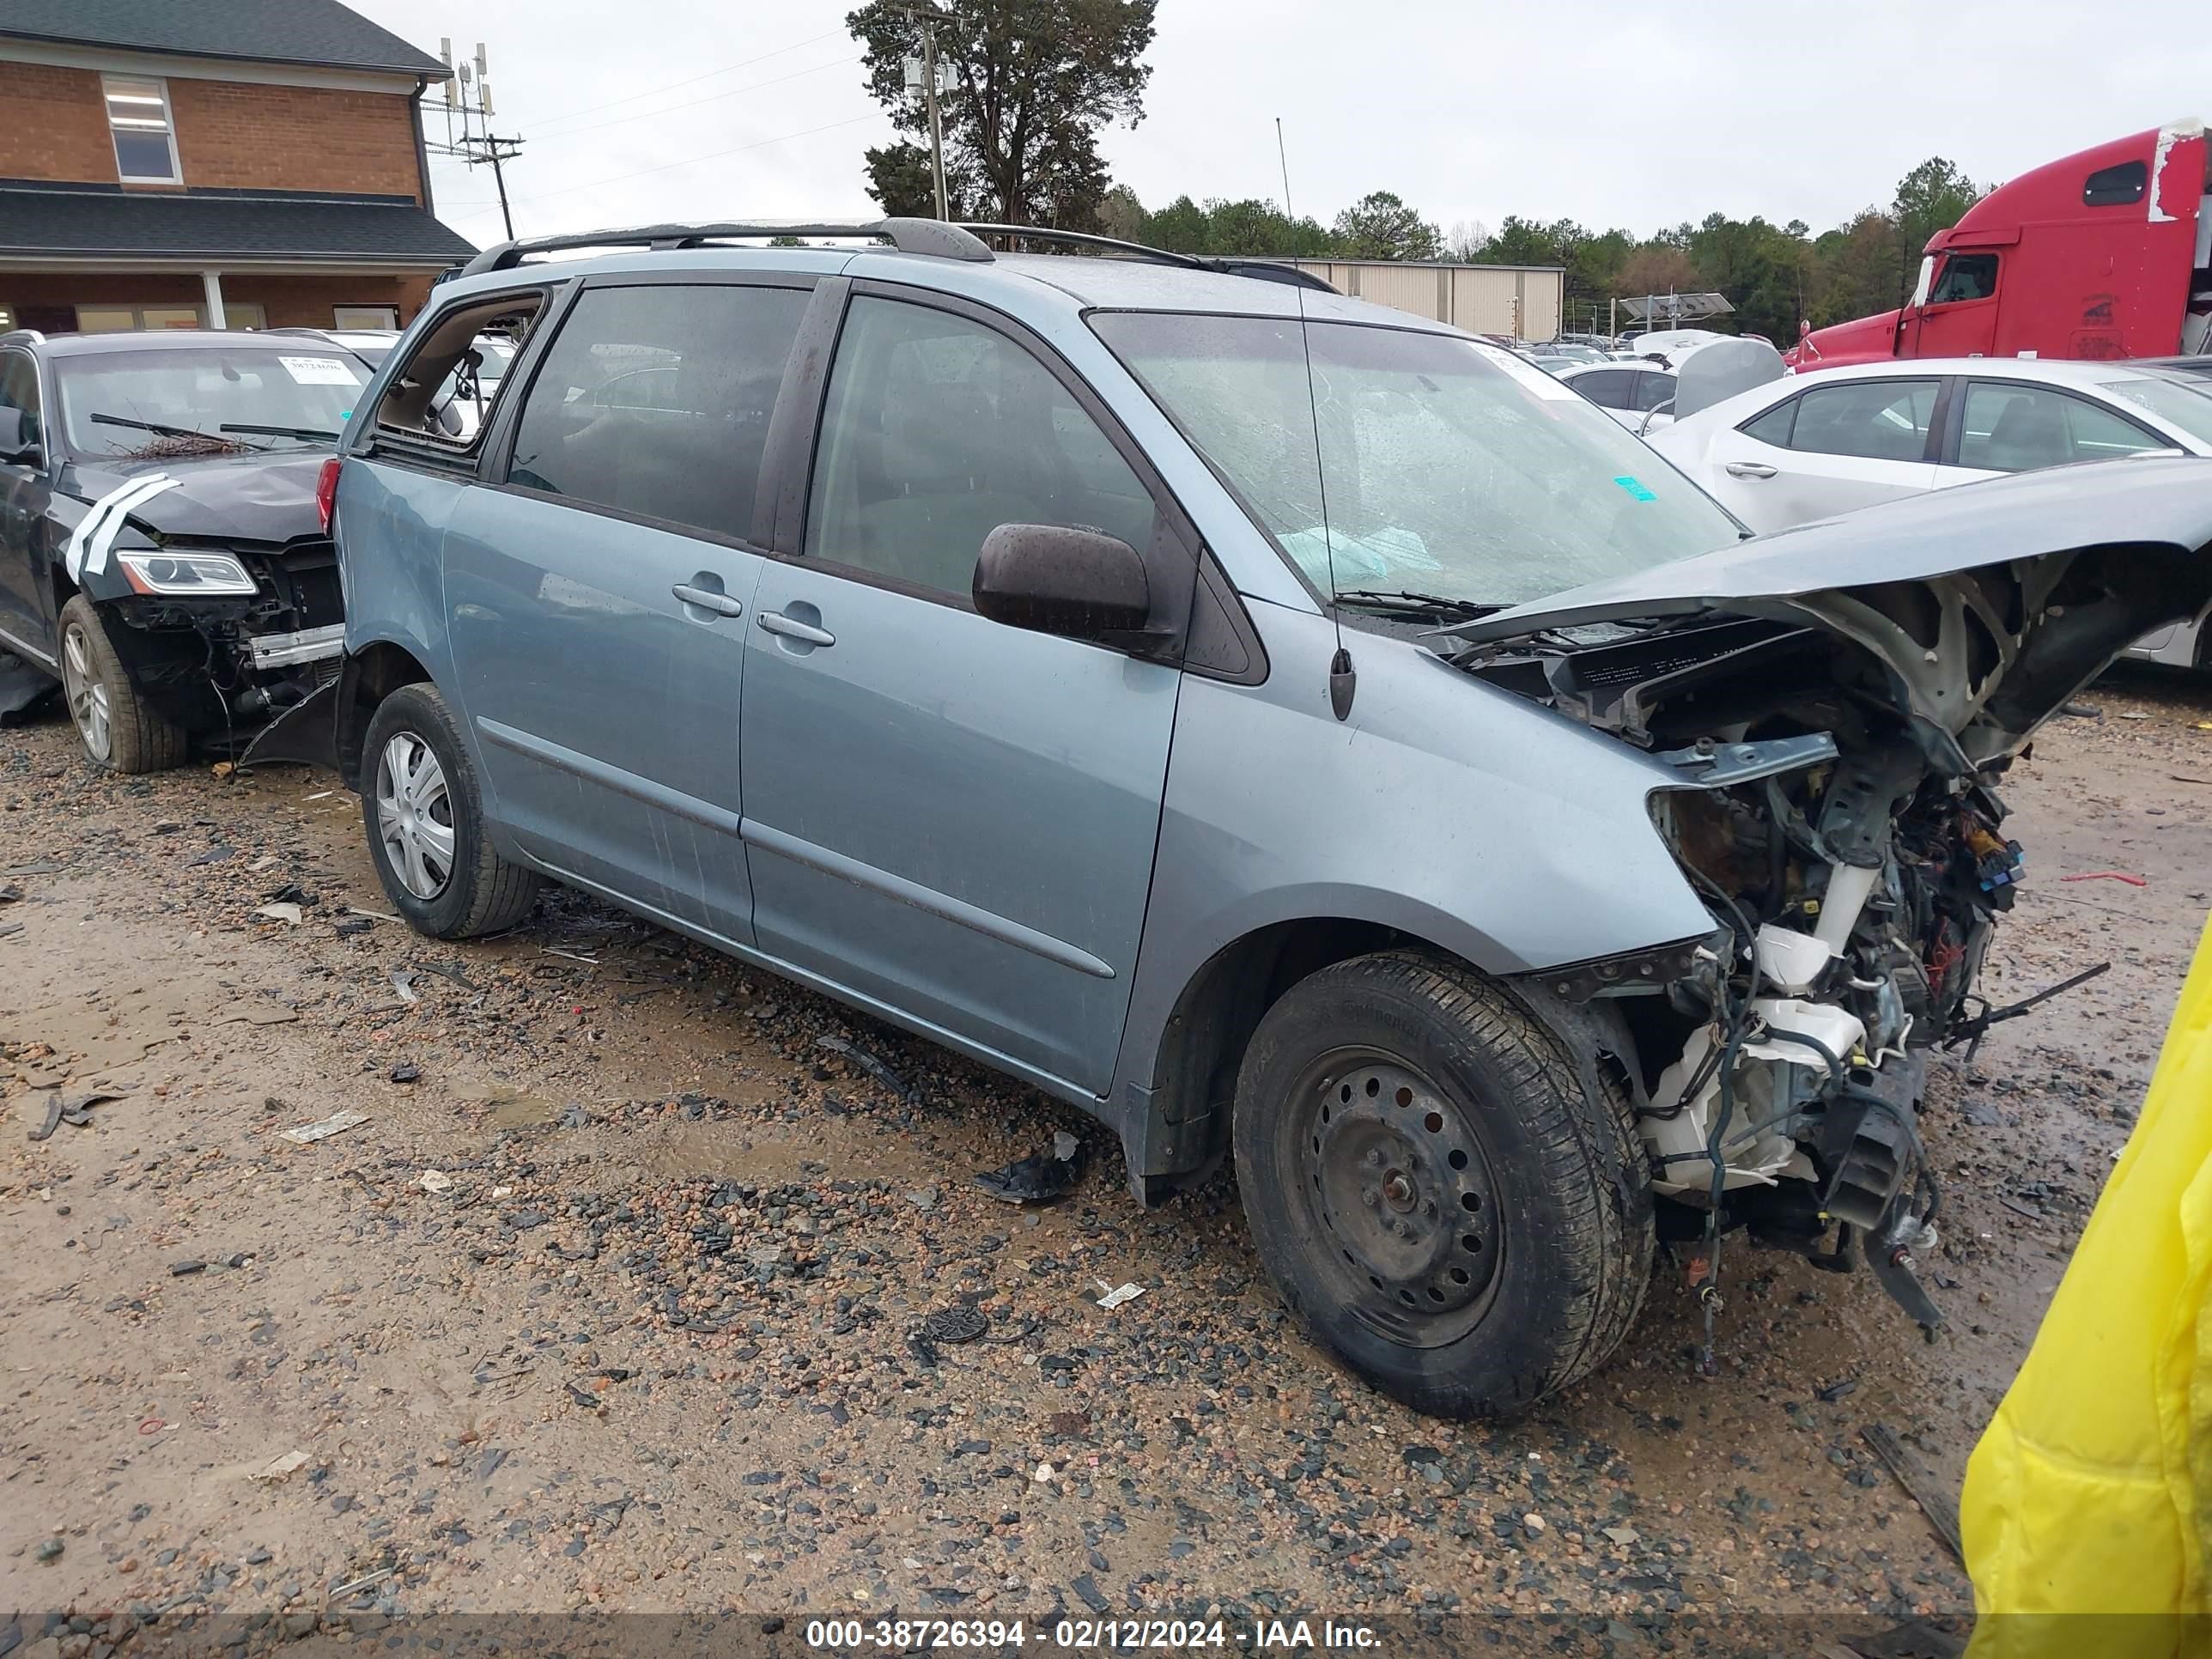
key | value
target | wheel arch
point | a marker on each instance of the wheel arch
(366, 679)
(1179, 1099)
(1180, 1080)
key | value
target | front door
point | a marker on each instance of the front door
(598, 600)
(947, 817)
(1959, 318)
(24, 492)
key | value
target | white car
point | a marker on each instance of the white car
(1639, 395)
(1812, 446)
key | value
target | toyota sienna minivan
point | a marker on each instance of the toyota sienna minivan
(1290, 730)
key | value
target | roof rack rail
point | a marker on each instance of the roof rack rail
(930, 236)
(1268, 270)
(23, 336)
(1084, 239)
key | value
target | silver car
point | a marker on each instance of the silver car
(1157, 684)
(1809, 445)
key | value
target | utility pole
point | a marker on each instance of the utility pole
(936, 120)
(925, 75)
(468, 96)
(1284, 157)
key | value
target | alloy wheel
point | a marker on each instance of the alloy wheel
(415, 815)
(87, 693)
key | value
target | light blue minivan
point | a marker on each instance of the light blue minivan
(1126, 671)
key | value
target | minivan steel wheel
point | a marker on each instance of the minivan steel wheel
(423, 809)
(1397, 1182)
(87, 697)
(1438, 1195)
(415, 815)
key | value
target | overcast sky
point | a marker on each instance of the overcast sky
(1611, 112)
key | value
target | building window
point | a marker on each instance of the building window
(122, 319)
(145, 143)
(365, 316)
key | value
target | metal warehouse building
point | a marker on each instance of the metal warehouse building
(1521, 300)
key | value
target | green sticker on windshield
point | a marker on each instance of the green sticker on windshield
(1636, 488)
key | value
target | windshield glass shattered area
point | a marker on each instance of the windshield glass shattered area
(2178, 403)
(267, 398)
(1448, 467)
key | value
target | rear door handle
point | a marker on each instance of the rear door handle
(792, 628)
(1748, 470)
(706, 599)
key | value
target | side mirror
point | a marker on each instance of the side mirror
(449, 420)
(1051, 580)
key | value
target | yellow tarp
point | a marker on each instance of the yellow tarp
(2091, 1491)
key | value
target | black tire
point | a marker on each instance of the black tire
(1526, 1205)
(119, 728)
(474, 890)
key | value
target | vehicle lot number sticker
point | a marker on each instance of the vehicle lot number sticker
(319, 370)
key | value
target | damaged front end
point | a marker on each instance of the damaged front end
(212, 655)
(1839, 751)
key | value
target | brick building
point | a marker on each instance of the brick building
(193, 163)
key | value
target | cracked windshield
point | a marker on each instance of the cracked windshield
(1445, 470)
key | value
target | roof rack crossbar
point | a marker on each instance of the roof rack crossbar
(930, 236)
(1275, 271)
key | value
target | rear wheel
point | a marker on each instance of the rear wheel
(1437, 1197)
(119, 729)
(424, 811)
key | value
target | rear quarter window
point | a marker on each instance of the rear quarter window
(442, 397)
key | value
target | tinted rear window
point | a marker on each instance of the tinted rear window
(655, 402)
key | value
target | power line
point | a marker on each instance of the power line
(714, 156)
(713, 97)
(673, 85)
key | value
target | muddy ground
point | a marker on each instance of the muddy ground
(613, 1301)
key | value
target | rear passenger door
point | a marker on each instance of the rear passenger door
(1830, 449)
(946, 818)
(2016, 426)
(598, 595)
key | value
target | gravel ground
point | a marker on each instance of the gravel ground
(621, 1297)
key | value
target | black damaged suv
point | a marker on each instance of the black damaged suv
(162, 551)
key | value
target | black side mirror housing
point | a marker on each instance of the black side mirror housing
(1079, 583)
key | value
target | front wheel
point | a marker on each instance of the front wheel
(1438, 1201)
(424, 811)
(119, 729)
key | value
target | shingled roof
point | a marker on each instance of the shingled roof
(236, 227)
(321, 34)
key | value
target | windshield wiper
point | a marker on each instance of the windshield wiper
(1427, 605)
(307, 433)
(160, 431)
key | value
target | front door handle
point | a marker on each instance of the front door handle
(1748, 470)
(792, 628)
(706, 599)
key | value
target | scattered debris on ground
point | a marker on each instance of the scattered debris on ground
(658, 1335)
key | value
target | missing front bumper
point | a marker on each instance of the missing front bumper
(289, 650)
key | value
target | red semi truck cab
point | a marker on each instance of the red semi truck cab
(2106, 253)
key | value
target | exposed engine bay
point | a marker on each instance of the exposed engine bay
(1841, 754)
(216, 663)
